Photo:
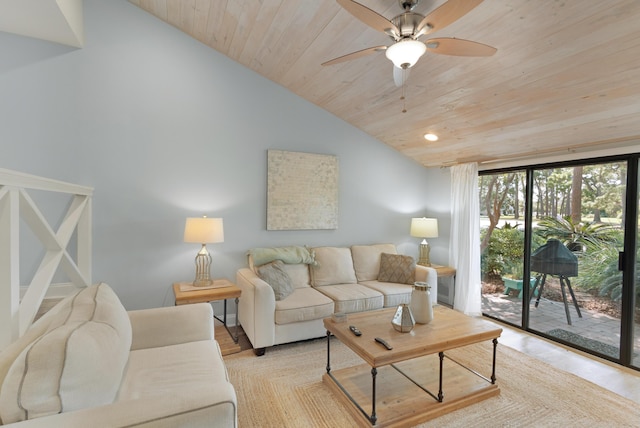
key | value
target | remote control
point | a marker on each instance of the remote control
(384, 343)
(355, 330)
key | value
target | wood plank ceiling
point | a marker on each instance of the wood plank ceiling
(566, 76)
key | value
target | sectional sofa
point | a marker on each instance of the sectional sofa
(287, 291)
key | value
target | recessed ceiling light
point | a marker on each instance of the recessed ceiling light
(431, 137)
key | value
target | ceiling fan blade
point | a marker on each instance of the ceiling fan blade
(458, 47)
(446, 14)
(371, 18)
(400, 75)
(354, 55)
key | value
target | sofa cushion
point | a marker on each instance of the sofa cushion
(350, 298)
(394, 293)
(154, 372)
(274, 274)
(304, 304)
(77, 363)
(397, 268)
(299, 274)
(334, 266)
(366, 259)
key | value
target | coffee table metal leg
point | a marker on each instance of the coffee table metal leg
(328, 351)
(493, 367)
(440, 394)
(373, 418)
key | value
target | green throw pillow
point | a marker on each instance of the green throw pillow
(397, 268)
(274, 274)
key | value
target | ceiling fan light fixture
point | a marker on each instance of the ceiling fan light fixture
(430, 137)
(405, 53)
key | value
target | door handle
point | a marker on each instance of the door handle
(621, 260)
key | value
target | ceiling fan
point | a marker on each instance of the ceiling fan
(407, 28)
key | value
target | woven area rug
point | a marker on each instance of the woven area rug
(284, 388)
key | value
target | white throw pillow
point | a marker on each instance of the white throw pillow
(334, 266)
(77, 363)
(366, 260)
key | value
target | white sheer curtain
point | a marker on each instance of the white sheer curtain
(464, 251)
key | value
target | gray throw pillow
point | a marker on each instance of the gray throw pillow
(274, 274)
(397, 268)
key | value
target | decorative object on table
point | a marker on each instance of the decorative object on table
(424, 228)
(403, 320)
(421, 306)
(203, 230)
(302, 191)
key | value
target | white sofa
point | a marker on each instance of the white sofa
(324, 280)
(89, 362)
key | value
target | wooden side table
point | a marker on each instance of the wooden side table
(224, 289)
(446, 272)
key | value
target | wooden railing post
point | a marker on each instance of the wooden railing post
(9, 265)
(16, 314)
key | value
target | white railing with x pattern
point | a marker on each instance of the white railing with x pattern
(16, 204)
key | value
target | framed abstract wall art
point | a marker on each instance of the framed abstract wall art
(302, 191)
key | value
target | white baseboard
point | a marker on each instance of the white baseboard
(231, 320)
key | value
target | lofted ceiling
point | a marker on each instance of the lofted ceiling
(565, 78)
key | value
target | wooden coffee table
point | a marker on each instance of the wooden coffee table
(415, 381)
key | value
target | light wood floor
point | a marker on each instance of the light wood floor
(618, 379)
(227, 346)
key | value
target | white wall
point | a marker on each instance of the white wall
(164, 128)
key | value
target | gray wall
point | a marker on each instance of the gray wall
(165, 128)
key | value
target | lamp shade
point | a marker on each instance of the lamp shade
(203, 230)
(424, 227)
(405, 52)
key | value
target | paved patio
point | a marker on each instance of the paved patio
(550, 315)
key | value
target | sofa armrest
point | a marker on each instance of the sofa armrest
(165, 326)
(257, 308)
(213, 405)
(424, 273)
(430, 276)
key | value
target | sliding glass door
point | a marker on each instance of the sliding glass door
(553, 259)
(578, 233)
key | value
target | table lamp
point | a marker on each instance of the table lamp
(203, 230)
(424, 228)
